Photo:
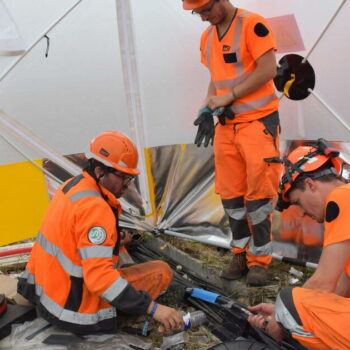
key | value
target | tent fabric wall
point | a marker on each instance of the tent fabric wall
(11, 42)
(77, 91)
(81, 89)
(174, 83)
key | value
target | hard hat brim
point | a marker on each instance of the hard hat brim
(123, 169)
(191, 5)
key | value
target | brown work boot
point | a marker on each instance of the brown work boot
(237, 267)
(257, 276)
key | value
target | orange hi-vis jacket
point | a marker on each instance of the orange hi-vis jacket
(317, 320)
(70, 274)
(337, 220)
(231, 59)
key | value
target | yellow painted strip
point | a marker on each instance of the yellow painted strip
(151, 185)
(148, 162)
(24, 199)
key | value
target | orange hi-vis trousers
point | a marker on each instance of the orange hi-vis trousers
(152, 276)
(317, 320)
(247, 177)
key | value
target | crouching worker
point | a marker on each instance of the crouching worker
(317, 315)
(70, 275)
(317, 320)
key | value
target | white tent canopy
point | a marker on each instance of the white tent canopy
(133, 65)
(82, 84)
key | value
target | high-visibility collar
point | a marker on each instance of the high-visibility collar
(111, 199)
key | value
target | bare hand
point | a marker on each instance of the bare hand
(265, 313)
(170, 318)
(214, 102)
(265, 319)
(125, 237)
(263, 309)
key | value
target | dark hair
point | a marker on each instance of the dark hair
(92, 164)
(321, 174)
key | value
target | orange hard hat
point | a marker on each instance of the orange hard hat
(115, 150)
(193, 4)
(306, 159)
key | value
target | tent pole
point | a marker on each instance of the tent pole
(324, 31)
(222, 243)
(26, 156)
(218, 242)
(20, 58)
(14, 128)
(132, 89)
(330, 109)
(34, 142)
(294, 261)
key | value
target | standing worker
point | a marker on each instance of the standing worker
(70, 275)
(238, 49)
(318, 314)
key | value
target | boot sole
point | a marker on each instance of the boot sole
(232, 278)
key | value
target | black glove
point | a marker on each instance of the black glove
(223, 112)
(205, 122)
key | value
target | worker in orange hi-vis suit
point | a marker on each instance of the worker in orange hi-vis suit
(302, 230)
(72, 275)
(238, 48)
(317, 315)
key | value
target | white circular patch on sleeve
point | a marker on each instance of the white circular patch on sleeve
(97, 235)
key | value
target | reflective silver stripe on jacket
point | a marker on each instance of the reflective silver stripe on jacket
(259, 215)
(239, 69)
(260, 251)
(114, 290)
(240, 243)
(67, 265)
(208, 46)
(71, 316)
(236, 48)
(82, 194)
(95, 252)
(236, 44)
(253, 105)
(237, 214)
(284, 317)
(230, 83)
(28, 276)
(67, 315)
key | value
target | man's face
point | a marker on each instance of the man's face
(310, 200)
(212, 12)
(116, 182)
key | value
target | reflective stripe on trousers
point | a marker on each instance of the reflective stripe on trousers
(237, 214)
(259, 212)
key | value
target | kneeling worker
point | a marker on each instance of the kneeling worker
(70, 275)
(317, 315)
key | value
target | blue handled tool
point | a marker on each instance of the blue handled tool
(217, 299)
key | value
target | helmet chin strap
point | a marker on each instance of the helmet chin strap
(97, 179)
